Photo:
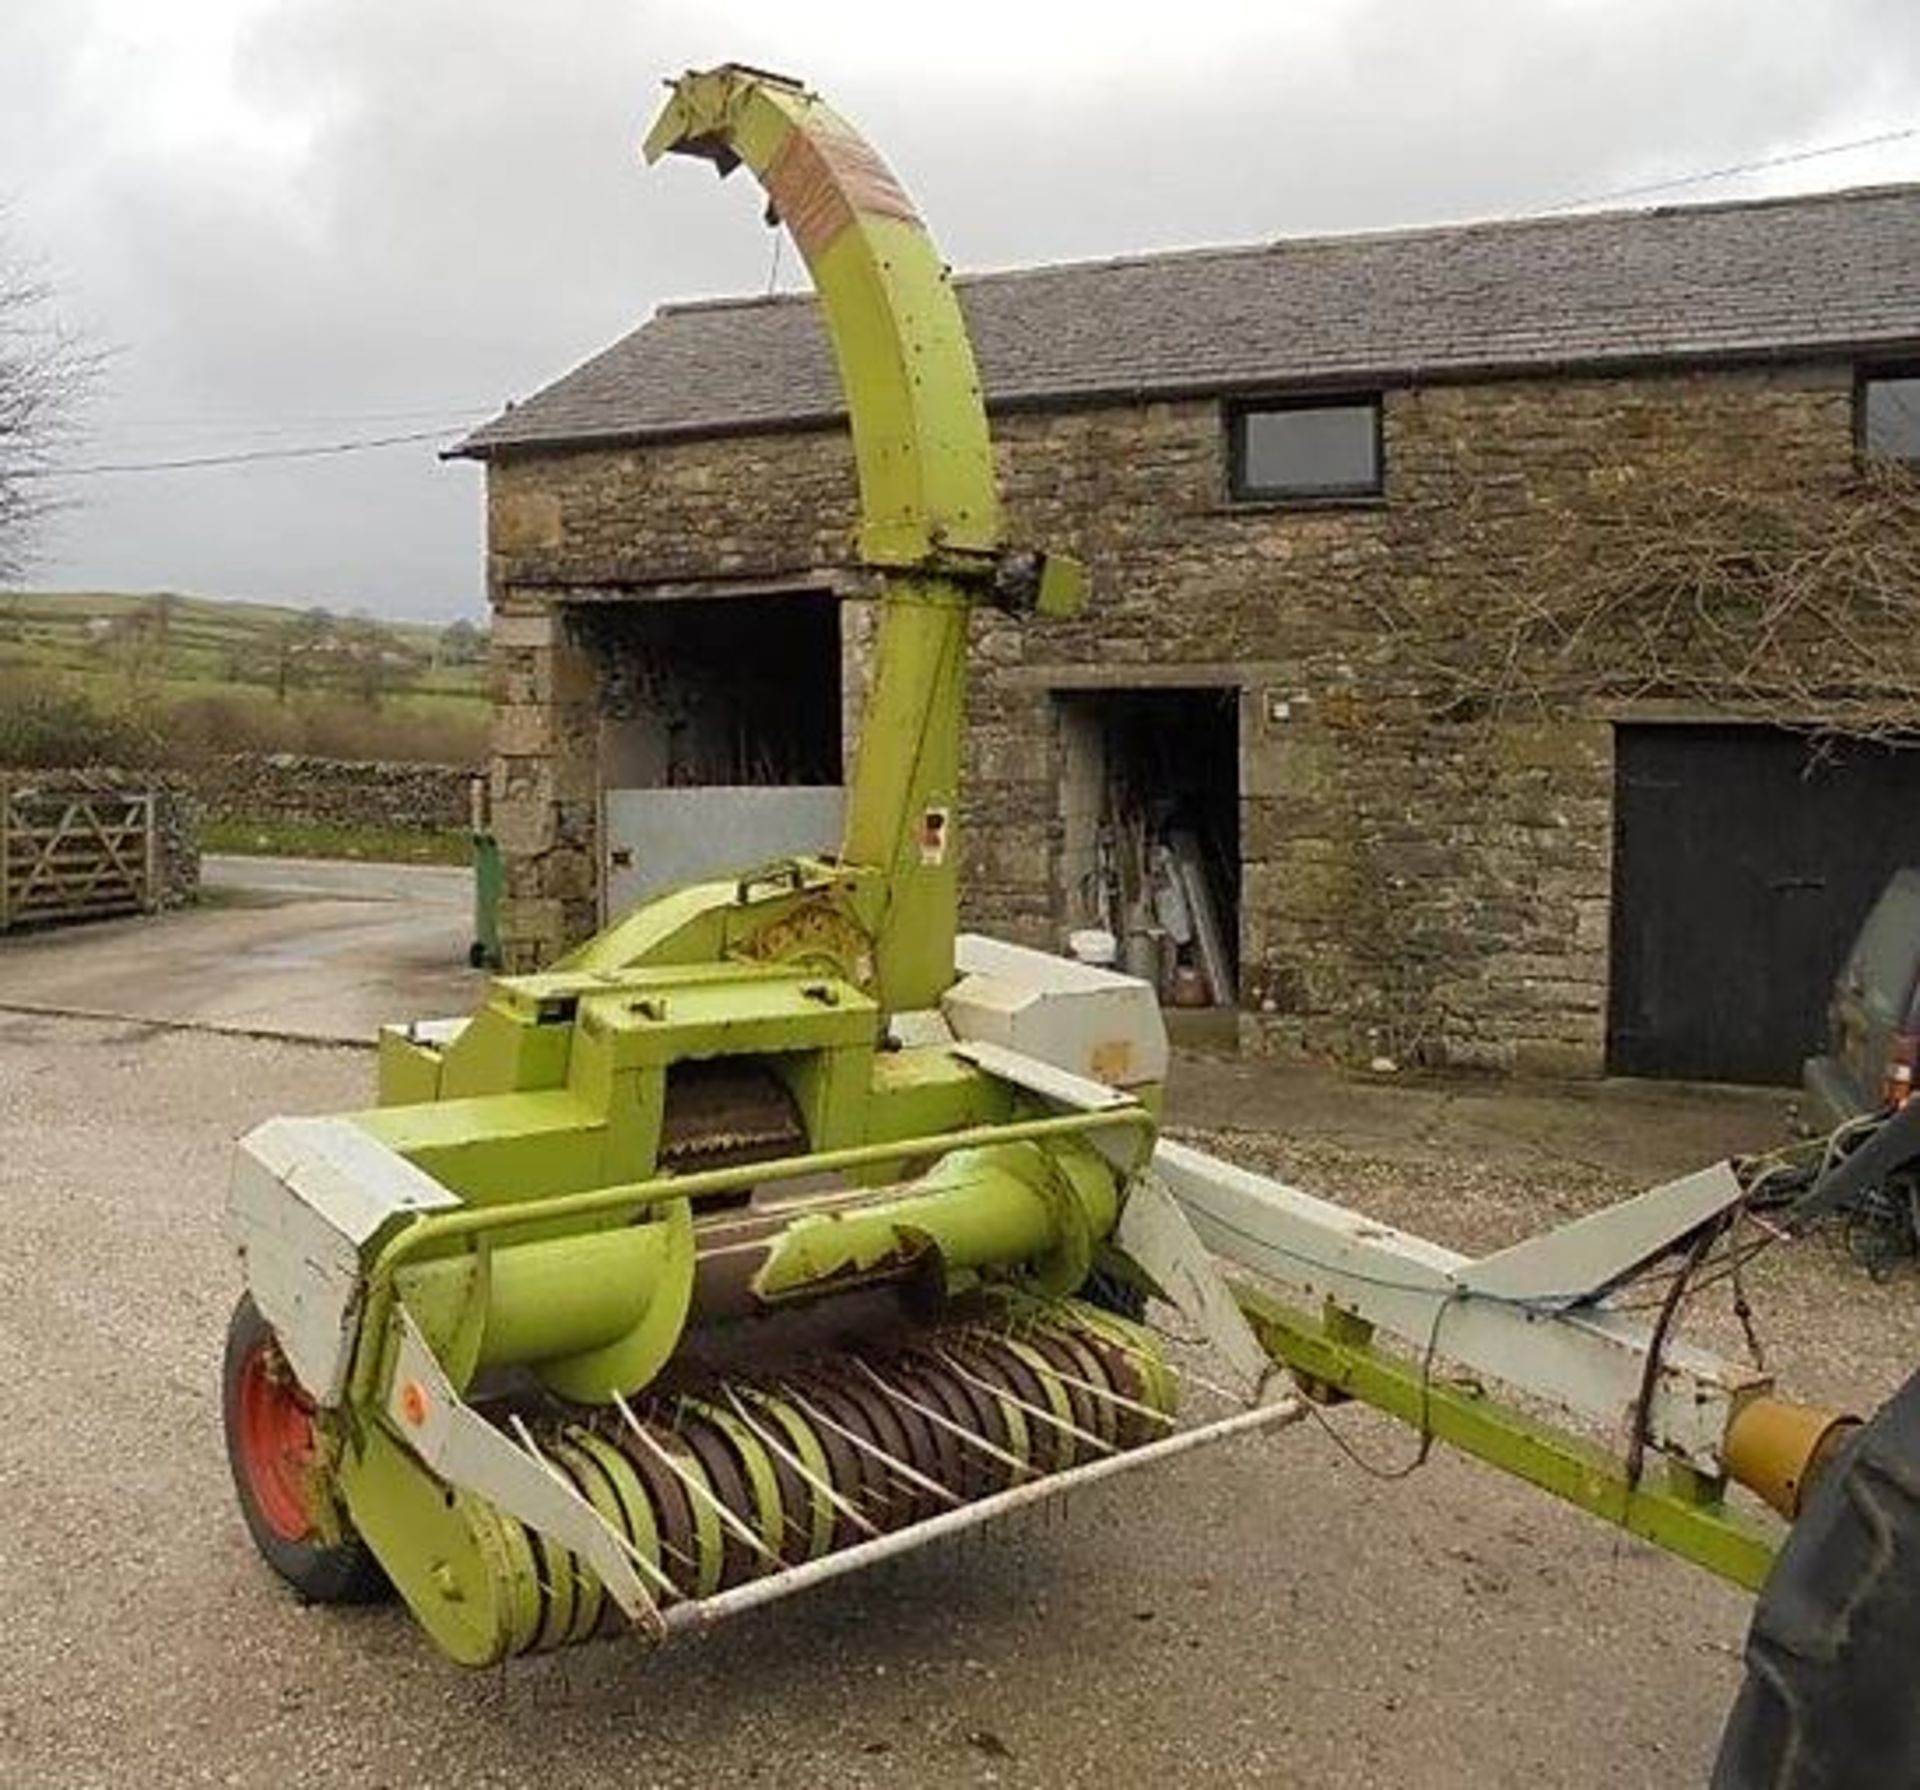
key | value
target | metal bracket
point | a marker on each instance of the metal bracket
(468, 1452)
(1578, 1262)
(1156, 1233)
(1588, 1360)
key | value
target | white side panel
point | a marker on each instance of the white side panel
(305, 1194)
(1088, 1021)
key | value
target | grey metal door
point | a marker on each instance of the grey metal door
(659, 839)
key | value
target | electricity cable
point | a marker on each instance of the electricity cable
(1733, 169)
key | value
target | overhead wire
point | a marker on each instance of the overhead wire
(242, 457)
(368, 444)
(1760, 164)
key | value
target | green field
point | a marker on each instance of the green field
(170, 678)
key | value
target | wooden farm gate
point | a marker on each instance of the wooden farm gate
(69, 852)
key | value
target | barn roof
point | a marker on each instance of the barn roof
(1826, 274)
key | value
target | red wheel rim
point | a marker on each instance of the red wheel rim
(275, 1434)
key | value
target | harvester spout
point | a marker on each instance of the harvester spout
(930, 507)
(927, 488)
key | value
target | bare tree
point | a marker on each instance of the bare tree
(1714, 587)
(45, 373)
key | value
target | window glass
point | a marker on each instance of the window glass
(1890, 418)
(1320, 450)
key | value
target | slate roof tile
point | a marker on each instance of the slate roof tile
(1834, 273)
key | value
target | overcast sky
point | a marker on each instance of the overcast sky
(296, 222)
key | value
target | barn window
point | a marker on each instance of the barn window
(1889, 417)
(1304, 451)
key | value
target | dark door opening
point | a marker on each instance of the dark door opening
(1745, 859)
(719, 736)
(1150, 844)
(736, 691)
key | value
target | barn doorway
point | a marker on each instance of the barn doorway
(1150, 833)
(716, 692)
(719, 734)
(1745, 859)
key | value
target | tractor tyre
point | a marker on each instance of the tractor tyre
(270, 1449)
(1829, 1701)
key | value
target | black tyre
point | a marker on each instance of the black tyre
(270, 1446)
(1830, 1701)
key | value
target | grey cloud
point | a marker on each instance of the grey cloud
(469, 219)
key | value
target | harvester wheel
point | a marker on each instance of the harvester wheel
(270, 1448)
(1829, 1700)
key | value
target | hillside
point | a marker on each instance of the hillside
(168, 676)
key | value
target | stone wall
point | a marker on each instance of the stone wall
(1425, 889)
(285, 786)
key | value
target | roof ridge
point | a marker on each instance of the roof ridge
(1506, 223)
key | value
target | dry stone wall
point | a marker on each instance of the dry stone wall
(1426, 888)
(284, 786)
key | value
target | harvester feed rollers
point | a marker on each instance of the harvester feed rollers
(746, 1477)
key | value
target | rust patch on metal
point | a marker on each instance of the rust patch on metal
(821, 180)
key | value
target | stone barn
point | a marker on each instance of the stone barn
(1502, 650)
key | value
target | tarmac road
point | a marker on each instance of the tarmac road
(318, 948)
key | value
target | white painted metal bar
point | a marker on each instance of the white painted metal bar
(1581, 1260)
(707, 1611)
(1048, 1080)
(1011, 1461)
(1589, 1361)
(1157, 1233)
(467, 1451)
(1107, 1392)
(695, 1486)
(774, 1446)
(1013, 1398)
(645, 1567)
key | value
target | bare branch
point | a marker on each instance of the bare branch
(46, 372)
(1798, 599)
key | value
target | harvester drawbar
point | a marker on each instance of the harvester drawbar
(779, 1227)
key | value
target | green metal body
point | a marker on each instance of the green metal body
(560, 1086)
(576, 1249)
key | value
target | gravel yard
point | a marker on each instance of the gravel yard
(1263, 1613)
